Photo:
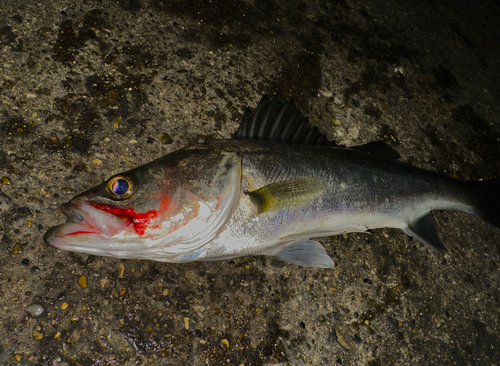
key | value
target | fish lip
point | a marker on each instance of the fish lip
(56, 236)
(50, 234)
(73, 213)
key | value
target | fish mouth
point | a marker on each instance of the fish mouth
(84, 219)
(73, 213)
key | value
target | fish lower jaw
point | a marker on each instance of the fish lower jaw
(100, 221)
(72, 229)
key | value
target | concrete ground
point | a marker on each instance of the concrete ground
(91, 88)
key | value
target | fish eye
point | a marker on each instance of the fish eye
(120, 187)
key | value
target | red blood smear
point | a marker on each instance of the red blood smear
(219, 201)
(140, 221)
(81, 232)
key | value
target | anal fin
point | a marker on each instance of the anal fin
(307, 253)
(425, 231)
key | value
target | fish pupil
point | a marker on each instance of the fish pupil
(120, 187)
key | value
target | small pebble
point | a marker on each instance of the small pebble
(186, 323)
(121, 270)
(342, 340)
(197, 333)
(18, 358)
(37, 332)
(5, 181)
(35, 310)
(132, 141)
(165, 138)
(82, 281)
(225, 343)
(74, 318)
(68, 190)
(18, 249)
(97, 161)
(103, 282)
(64, 305)
(354, 132)
(321, 318)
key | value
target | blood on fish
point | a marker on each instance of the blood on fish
(165, 203)
(219, 201)
(139, 220)
(81, 232)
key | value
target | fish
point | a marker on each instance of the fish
(272, 189)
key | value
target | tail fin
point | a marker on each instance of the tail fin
(487, 195)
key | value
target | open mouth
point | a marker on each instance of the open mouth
(85, 219)
(95, 219)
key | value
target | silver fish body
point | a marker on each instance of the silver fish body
(329, 191)
(251, 196)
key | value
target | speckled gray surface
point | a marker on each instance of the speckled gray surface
(86, 88)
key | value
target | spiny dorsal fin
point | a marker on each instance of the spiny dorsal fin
(288, 193)
(279, 121)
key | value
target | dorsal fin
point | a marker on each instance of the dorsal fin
(278, 121)
(378, 148)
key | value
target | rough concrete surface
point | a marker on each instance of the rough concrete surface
(91, 88)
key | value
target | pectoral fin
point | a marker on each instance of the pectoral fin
(425, 231)
(288, 193)
(307, 253)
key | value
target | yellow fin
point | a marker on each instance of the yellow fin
(287, 194)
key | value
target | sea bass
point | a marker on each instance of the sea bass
(270, 190)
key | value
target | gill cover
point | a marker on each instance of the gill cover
(215, 182)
